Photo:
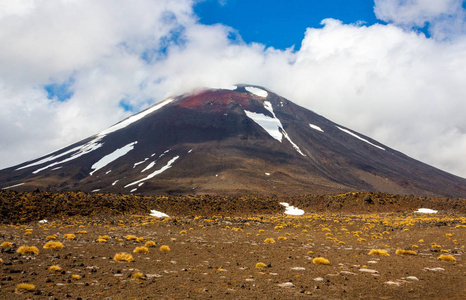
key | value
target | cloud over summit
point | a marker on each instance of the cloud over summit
(386, 81)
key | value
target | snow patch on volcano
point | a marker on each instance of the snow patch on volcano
(272, 125)
(112, 157)
(135, 118)
(316, 127)
(360, 138)
(164, 168)
(256, 91)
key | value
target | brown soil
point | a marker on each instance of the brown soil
(214, 255)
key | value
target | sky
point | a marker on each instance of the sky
(393, 70)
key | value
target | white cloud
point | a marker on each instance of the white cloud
(446, 18)
(384, 81)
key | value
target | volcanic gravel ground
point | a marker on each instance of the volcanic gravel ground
(216, 257)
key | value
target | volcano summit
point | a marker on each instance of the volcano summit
(240, 140)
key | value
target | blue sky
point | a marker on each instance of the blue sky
(389, 69)
(281, 24)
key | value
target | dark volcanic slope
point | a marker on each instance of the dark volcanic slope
(243, 140)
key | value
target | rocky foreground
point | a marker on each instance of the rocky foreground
(351, 246)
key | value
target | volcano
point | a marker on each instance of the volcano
(239, 140)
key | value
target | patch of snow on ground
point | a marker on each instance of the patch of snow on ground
(360, 138)
(256, 91)
(316, 127)
(43, 221)
(108, 172)
(164, 168)
(12, 186)
(190, 151)
(136, 117)
(112, 157)
(291, 210)
(268, 174)
(158, 214)
(50, 158)
(96, 190)
(57, 168)
(149, 166)
(426, 211)
(115, 181)
(133, 190)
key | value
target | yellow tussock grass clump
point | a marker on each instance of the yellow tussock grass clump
(141, 250)
(320, 261)
(6, 244)
(28, 250)
(448, 234)
(261, 230)
(150, 244)
(123, 257)
(81, 232)
(361, 240)
(25, 287)
(137, 275)
(165, 248)
(51, 237)
(183, 232)
(282, 238)
(261, 265)
(379, 252)
(310, 252)
(131, 237)
(421, 241)
(55, 268)
(269, 240)
(100, 240)
(405, 252)
(53, 245)
(445, 257)
(105, 237)
(444, 251)
(140, 239)
(69, 236)
(75, 276)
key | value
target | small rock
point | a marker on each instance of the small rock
(286, 284)
(412, 278)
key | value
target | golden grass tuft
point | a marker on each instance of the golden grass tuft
(81, 232)
(100, 240)
(165, 248)
(261, 265)
(28, 250)
(150, 244)
(123, 257)
(320, 261)
(69, 236)
(75, 276)
(183, 232)
(137, 275)
(141, 250)
(282, 238)
(378, 252)
(6, 244)
(445, 257)
(25, 287)
(53, 245)
(269, 240)
(405, 252)
(51, 237)
(131, 237)
(55, 268)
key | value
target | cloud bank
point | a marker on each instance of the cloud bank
(69, 69)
